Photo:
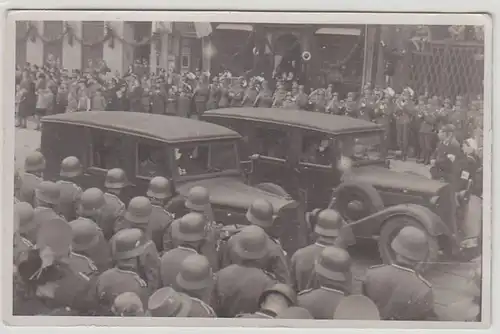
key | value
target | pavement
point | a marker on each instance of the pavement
(451, 282)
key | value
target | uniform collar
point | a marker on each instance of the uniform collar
(320, 244)
(403, 268)
(332, 290)
(188, 249)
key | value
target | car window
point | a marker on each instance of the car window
(362, 146)
(316, 149)
(152, 161)
(271, 142)
(206, 158)
(105, 150)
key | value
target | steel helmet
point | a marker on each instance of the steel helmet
(251, 243)
(328, 223)
(261, 213)
(48, 192)
(86, 234)
(166, 302)
(159, 188)
(91, 200)
(116, 179)
(127, 304)
(198, 199)
(55, 234)
(334, 264)
(127, 244)
(139, 210)
(34, 162)
(25, 214)
(282, 289)
(411, 243)
(195, 273)
(189, 228)
(71, 167)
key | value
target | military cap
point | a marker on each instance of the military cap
(166, 302)
(334, 264)
(116, 179)
(190, 228)
(91, 200)
(34, 162)
(356, 307)
(86, 234)
(127, 244)
(282, 289)
(411, 243)
(260, 213)
(48, 192)
(295, 312)
(198, 199)
(127, 304)
(448, 128)
(55, 234)
(195, 273)
(159, 188)
(24, 213)
(139, 210)
(328, 223)
(71, 167)
(251, 243)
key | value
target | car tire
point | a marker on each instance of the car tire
(391, 228)
(357, 191)
(273, 189)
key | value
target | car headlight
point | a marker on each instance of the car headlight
(434, 200)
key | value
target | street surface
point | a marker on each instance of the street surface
(452, 282)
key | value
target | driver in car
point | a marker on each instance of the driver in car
(151, 167)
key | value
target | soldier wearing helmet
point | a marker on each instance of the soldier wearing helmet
(47, 196)
(166, 302)
(274, 301)
(90, 251)
(34, 165)
(448, 157)
(159, 192)
(189, 234)
(128, 304)
(239, 286)
(196, 279)
(328, 227)
(127, 248)
(114, 209)
(24, 226)
(356, 307)
(71, 169)
(332, 271)
(261, 214)
(399, 292)
(91, 206)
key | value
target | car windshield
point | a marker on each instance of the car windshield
(206, 158)
(362, 147)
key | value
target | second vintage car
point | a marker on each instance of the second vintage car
(189, 152)
(301, 153)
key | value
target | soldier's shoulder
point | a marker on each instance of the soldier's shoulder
(305, 292)
(85, 261)
(114, 273)
(203, 306)
(378, 267)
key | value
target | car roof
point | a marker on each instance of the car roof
(169, 129)
(333, 124)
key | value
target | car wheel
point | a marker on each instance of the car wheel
(391, 228)
(357, 200)
(273, 189)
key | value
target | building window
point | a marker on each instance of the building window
(185, 56)
(92, 48)
(53, 49)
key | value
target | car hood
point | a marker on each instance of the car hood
(229, 191)
(384, 178)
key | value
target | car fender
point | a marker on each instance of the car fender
(371, 225)
(366, 190)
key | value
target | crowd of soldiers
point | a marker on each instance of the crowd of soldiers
(84, 252)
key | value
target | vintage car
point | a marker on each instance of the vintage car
(300, 153)
(189, 152)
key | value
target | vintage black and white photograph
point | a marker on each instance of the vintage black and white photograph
(248, 169)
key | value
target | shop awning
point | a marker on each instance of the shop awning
(234, 26)
(339, 31)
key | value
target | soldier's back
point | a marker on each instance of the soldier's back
(399, 293)
(159, 223)
(70, 194)
(171, 264)
(29, 182)
(42, 215)
(238, 289)
(81, 263)
(199, 309)
(321, 303)
(115, 281)
(302, 265)
(113, 210)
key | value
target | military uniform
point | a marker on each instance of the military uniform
(81, 263)
(116, 281)
(113, 210)
(200, 309)
(29, 182)
(159, 224)
(399, 293)
(171, 264)
(70, 194)
(322, 302)
(42, 215)
(427, 134)
(239, 288)
(302, 265)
